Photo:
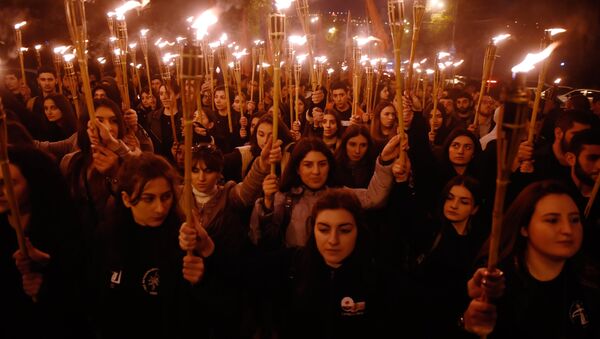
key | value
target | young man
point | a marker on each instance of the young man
(13, 83)
(46, 79)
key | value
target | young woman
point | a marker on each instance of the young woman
(41, 294)
(279, 220)
(332, 130)
(460, 156)
(438, 121)
(136, 261)
(355, 159)
(222, 210)
(61, 121)
(447, 247)
(333, 280)
(550, 292)
(239, 162)
(160, 122)
(385, 124)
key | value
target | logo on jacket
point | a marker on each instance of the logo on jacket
(151, 281)
(349, 307)
(578, 315)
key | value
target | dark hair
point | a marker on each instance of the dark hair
(429, 109)
(210, 155)
(469, 183)
(587, 137)
(283, 133)
(18, 135)
(580, 102)
(376, 126)
(83, 140)
(338, 121)
(291, 178)
(339, 85)
(463, 94)
(458, 133)
(12, 71)
(341, 155)
(46, 69)
(567, 119)
(69, 119)
(518, 215)
(111, 92)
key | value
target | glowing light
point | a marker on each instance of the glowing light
(69, 57)
(557, 81)
(332, 30)
(129, 5)
(448, 63)
(101, 60)
(258, 42)
(37, 47)
(230, 64)
(500, 38)
(314, 19)
(423, 61)
(205, 20)
(133, 45)
(300, 58)
(61, 49)
(239, 55)
(223, 38)
(297, 40)
(416, 65)
(533, 58)
(323, 59)
(442, 55)
(117, 51)
(214, 44)
(144, 31)
(458, 63)
(24, 49)
(330, 71)
(555, 31)
(20, 24)
(265, 65)
(361, 41)
(283, 4)
(179, 39)
(429, 71)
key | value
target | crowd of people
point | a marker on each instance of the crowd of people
(345, 239)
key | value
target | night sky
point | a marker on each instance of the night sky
(477, 21)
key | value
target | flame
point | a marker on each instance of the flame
(111, 14)
(24, 49)
(179, 39)
(330, 70)
(557, 81)
(223, 38)
(423, 61)
(230, 64)
(442, 55)
(300, 58)
(101, 60)
(138, 66)
(297, 40)
(448, 63)
(361, 41)
(458, 63)
(258, 42)
(344, 68)
(555, 31)
(416, 65)
(190, 19)
(314, 19)
(332, 30)
(214, 44)
(323, 59)
(205, 20)
(37, 47)
(112, 39)
(283, 4)
(20, 24)
(500, 38)
(419, 70)
(129, 5)
(531, 59)
(69, 57)
(239, 55)
(441, 66)
(61, 49)
(429, 71)
(133, 45)
(168, 57)
(144, 31)
(117, 51)
(265, 65)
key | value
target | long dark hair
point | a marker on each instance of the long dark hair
(455, 134)
(471, 184)
(341, 156)
(83, 140)
(376, 126)
(283, 133)
(518, 216)
(291, 178)
(68, 122)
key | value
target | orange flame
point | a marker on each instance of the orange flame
(532, 59)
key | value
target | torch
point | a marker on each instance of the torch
(191, 78)
(418, 13)
(224, 62)
(488, 62)
(237, 72)
(70, 73)
(356, 55)
(512, 122)
(19, 41)
(297, 77)
(122, 43)
(396, 23)
(276, 37)
(254, 61)
(101, 62)
(165, 74)
(261, 75)
(144, 45)
(210, 57)
(369, 89)
(75, 13)
(38, 57)
(304, 17)
(58, 53)
(132, 54)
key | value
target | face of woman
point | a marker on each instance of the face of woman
(385, 93)
(262, 134)
(300, 106)
(52, 112)
(237, 103)
(165, 96)
(330, 126)
(100, 94)
(388, 117)
(19, 187)
(335, 235)
(461, 151)
(204, 179)
(357, 147)
(108, 118)
(253, 124)
(436, 118)
(459, 204)
(154, 204)
(220, 100)
(555, 231)
(313, 170)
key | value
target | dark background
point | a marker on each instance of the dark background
(476, 21)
